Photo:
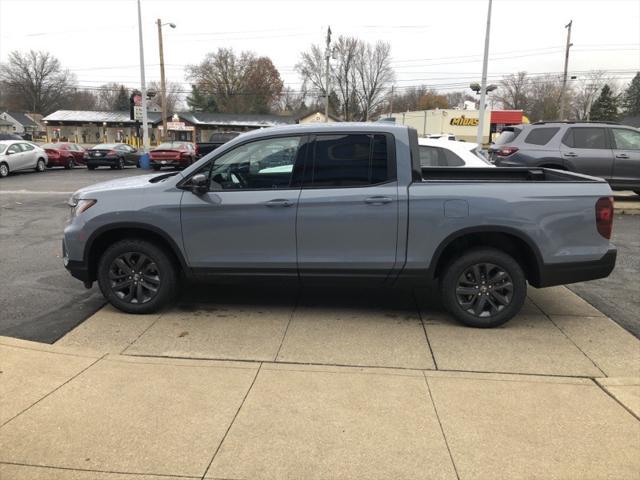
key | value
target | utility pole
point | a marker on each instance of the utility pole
(163, 89)
(143, 88)
(566, 67)
(326, 76)
(483, 86)
(391, 103)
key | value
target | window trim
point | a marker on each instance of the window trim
(304, 138)
(307, 181)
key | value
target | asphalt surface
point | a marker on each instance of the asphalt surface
(40, 301)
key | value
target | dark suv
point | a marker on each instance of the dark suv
(607, 150)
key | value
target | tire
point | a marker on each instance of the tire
(156, 271)
(120, 165)
(91, 167)
(156, 167)
(637, 192)
(4, 170)
(488, 303)
(41, 166)
(70, 164)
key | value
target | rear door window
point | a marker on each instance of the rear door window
(626, 139)
(351, 160)
(586, 137)
(541, 136)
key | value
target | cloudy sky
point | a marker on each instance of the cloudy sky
(438, 43)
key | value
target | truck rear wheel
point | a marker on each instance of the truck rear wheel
(483, 288)
(136, 276)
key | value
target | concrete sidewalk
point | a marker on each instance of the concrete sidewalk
(361, 386)
(627, 203)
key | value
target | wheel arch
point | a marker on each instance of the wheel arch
(509, 240)
(100, 240)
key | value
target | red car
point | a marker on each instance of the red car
(172, 154)
(64, 154)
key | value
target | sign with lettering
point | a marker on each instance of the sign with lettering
(463, 121)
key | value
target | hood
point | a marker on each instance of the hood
(142, 181)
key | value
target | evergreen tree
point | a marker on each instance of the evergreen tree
(632, 97)
(605, 108)
(199, 101)
(121, 102)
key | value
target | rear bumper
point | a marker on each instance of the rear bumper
(167, 162)
(573, 272)
(102, 162)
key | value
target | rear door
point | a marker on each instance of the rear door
(347, 223)
(245, 223)
(15, 157)
(626, 150)
(29, 156)
(587, 150)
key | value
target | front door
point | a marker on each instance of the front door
(587, 150)
(347, 223)
(245, 223)
(626, 167)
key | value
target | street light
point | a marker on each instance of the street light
(163, 91)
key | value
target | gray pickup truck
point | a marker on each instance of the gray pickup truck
(342, 202)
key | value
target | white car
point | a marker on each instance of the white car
(436, 153)
(442, 136)
(16, 155)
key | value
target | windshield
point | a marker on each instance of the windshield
(104, 146)
(2, 147)
(51, 145)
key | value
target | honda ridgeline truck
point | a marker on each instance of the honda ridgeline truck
(342, 202)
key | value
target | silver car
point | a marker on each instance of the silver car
(16, 155)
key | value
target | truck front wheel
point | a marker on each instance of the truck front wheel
(136, 276)
(483, 288)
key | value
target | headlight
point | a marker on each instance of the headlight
(79, 205)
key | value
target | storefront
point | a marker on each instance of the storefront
(502, 118)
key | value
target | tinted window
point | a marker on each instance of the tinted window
(260, 165)
(26, 147)
(451, 159)
(626, 139)
(507, 136)
(541, 136)
(351, 160)
(587, 137)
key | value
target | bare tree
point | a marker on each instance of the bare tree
(544, 97)
(514, 92)
(347, 52)
(174, 96)
(36, 81)
(586, 90)
(239, 83)
(375, 74)
(457, 99)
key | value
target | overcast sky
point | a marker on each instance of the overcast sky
(437, 43)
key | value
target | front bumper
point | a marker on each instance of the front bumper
(573, 272)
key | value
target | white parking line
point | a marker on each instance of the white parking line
(32, 192)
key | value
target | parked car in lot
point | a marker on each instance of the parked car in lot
(18, 155)
(436, 153)
(606, 150)
(172, 154)
(64, 154)
(114, 155)
(215, 140)
(342, 202)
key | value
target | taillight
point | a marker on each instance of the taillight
(604, 216)
(197, 150)
(505, 151)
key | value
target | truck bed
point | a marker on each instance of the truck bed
(504, 174)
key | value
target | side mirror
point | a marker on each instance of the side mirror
(199, 184)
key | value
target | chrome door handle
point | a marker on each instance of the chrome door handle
(378, 200)
(622, 155)
(278, 202)
(570, 154)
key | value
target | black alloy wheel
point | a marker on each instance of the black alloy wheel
(136, 276)
(120, 163)
(483, 288)
(70, 164)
